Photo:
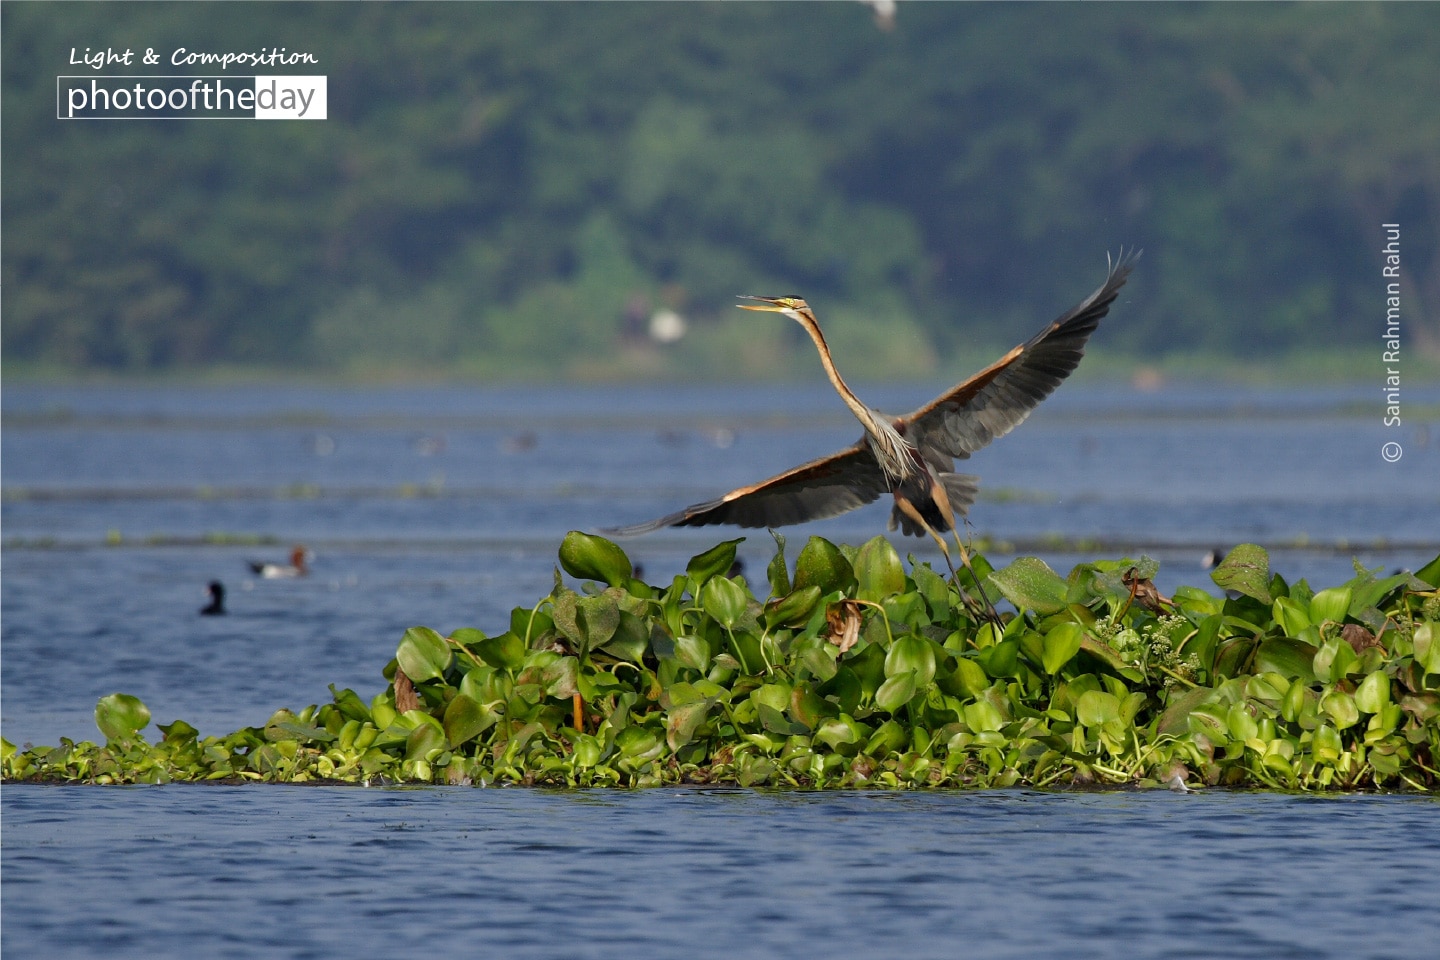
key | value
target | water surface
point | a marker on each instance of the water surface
(445, 506)
(302, 872)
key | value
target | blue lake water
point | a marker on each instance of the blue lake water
(302, 872)
(444, 506)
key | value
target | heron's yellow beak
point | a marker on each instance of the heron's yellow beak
(770, 304)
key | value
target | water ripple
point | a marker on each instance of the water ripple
(306, 872)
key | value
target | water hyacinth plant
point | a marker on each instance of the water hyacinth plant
(854, 673)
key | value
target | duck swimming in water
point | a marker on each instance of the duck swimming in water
(280, 571)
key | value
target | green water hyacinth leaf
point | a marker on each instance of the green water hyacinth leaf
(598, 618)
(1367, 591)
(878, 570)
(1060, 646)
(1334, 660)
(465, 639)
(350, 705)
(887, 738)
(631, 638)
(896, 691)
(382, 710)
(1287, 657)
(725, 600)
(933, 587)
(793, 609)
(1030, 584)
(838, 732)
(588, 622)
(748, 654)
(1001, 660)
(560, 678)
(713, 562)
(1246, 570)
(425, 740)
(681, 721)
(776, 696)
(638, 743)
(526, 623)
(1373, 695)
(1174, 720)
(808, 708)
(817, 655)
(120, 716)
(971, 676)
(466, 719)
(587, 751)
(912, 655)
(1341, 708)
(693, 652)
(822, 565)
(982, 716)
(869, 668)
(180, 731)
(1240, 723)
(1291, 616)
(1097, 707)
(1427, 647)
(776, 572)
(1326, 744)
(587, 557)
(1330, 605)
(776, 722)
(1430, 573)
(1294, 703)
(505, 652)
(293, 730)
(423, 654)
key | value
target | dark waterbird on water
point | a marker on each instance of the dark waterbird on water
(910, 457)
(216, 606)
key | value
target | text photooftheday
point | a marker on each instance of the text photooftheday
(192, 97)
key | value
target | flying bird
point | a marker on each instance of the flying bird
(911, 457)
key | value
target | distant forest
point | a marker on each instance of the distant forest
(534, 189)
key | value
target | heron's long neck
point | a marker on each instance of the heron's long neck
(890, 448)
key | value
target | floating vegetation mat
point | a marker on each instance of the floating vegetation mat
(856, 674)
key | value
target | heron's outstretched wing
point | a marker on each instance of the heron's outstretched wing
(999, 398)
(821, 488)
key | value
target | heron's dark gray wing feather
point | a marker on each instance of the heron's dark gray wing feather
(960, 488)
(821, 488)
(999, 398)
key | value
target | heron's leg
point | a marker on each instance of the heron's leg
(965, 560)
(942, 500)
(944, 548)
(970, 605)
(578, 705)
(988, 611)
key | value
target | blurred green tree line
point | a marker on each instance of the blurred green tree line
(514, 188)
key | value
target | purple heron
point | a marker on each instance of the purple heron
(911, 457)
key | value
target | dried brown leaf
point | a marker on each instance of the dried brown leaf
(405, 696)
